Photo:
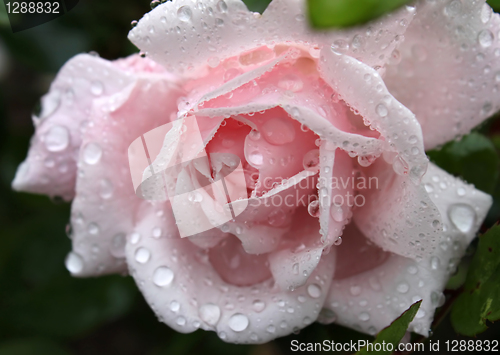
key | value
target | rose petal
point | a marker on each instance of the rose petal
(385, 285)
(398, 215)
(398, 125)
(50, 167)
(449, 69)
(181, 285)
(104, 208)
(216, 30)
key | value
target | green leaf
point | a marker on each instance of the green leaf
(495, 4)
(480, 299)
(473, 158)
(257, 5)
(344, 13)
(393, 333)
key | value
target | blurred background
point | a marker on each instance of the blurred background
(43, 310)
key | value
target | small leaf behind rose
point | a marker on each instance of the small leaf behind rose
(473, 158)
(344, 13)
(394, 332)
(480, 299)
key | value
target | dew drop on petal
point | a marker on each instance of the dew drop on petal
(105, 188)
(185, 13)
(462, 216)
(92, 153)
(162, 276)
(278, 131)
(74, 263)
(56, 139)
(311, 160)
(142, 255)
(485, 38)
(238, 322)
(313, 208)
(258, 306)
(364, 316)
(402, 287)
(117, 248)
(382, 110)
(209, 313)
(314, 290)
(96, 88)
(256, 158)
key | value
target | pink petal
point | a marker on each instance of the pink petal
(104, 209)
(449, 69)
(369, 294)
(398, 126)
(218, 30)
(50, 167)
(186, 292)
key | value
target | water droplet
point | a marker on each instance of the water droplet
(278, 131)
(453, 8)
(93, 229)
(222, 6)
(271, 329)
(311, 160)
(74, 263)
(238, 322)
(403, 287)
(133, 23)
(157, 232)
(364, 316)
(256, 158)
(142, 255)
(117, 248)
(258, 306)
(96, 88)
(162, 276)
(181, 321)
(461, 191)
(485, 38)
(382, 110)
(313, 208)
(184, 13)
(56, 139)
(175, 306)
(486, 13)
(338, 212)
(435, 263)
(135, 237)
(209, 313)
(462, 216)
(92, 153)
(314, 290)
(105, 188)
(355, 290)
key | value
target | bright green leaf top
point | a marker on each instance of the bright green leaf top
(480, 299)
(395, 332)
(344, 13)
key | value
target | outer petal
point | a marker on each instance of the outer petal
(362, 88)
(103, 211)
(201, 33)
(388, 284)
(50, 167)
(183, 288)
(450, 69)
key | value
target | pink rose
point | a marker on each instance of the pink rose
(342, 218)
